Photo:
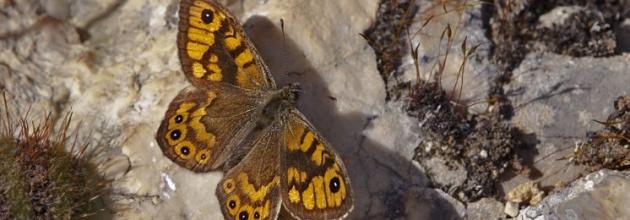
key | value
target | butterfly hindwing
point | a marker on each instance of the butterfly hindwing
(203, 125)
(213, 47)
(250, 190)
(314, 183)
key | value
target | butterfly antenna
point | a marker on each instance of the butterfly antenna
(284, 42)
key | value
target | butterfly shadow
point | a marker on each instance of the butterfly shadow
(385, 184)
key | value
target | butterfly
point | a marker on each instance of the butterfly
(234, 117)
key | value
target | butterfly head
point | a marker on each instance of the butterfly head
(291, 93)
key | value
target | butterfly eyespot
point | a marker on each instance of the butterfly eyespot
(179, 119)
(228, 186)
(243, 215)
(256, 215)
(203, 156)
(176, 134)
(232, 204)
(207, 16)
(334, 185)
(185, 150)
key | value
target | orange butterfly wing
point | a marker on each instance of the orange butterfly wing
(213, 47)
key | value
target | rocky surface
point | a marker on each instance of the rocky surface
(599, 195)
(557, 98)
(114, 64)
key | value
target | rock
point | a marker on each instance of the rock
(623, 33)
(486, 208)
(511, 209)
(452, 175)
(577, 31)
(557, 98)
(558, 15)
(115, 167)
(599, 195)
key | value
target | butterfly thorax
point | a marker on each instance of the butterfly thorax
(278, 102)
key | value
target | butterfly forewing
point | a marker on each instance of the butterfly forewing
(314, 183)
(213, 47)
(203, 125)
(251, 189)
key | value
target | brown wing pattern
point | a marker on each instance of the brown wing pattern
(314, 183)
(250, 190)
(202, 125)
(213, 47)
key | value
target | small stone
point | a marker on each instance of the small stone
(483, 154)
(511, 209)
(600, 195)
(485, 208)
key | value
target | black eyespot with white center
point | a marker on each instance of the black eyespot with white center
(334, 185)
(207, 16)
(243, 215)
(232, 204)
(179, 119)
(256, 215)
(185, 150)
(176, 134)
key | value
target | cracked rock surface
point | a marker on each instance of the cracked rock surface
(599, 195)
(114, 64)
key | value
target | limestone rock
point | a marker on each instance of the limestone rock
(557, 98)
(485, 208)
(600, 195)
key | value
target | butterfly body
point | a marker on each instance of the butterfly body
(233, 116)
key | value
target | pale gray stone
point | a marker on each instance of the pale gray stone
(511, 209)
(599, 195)
(486, 208)
(557, 98)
